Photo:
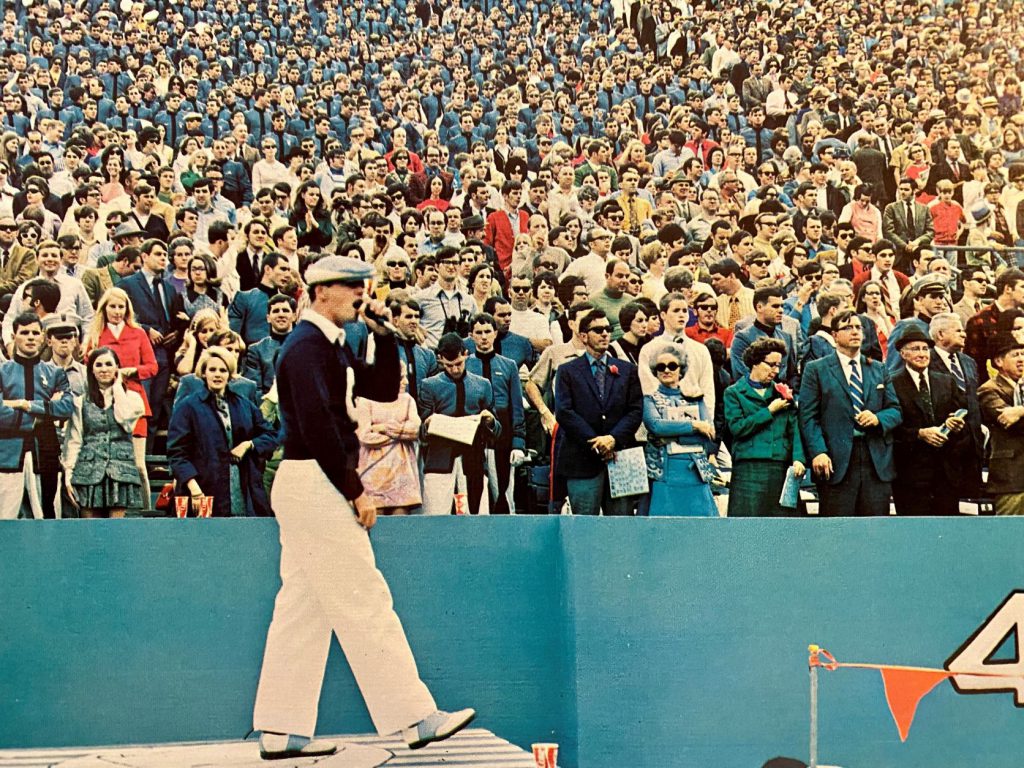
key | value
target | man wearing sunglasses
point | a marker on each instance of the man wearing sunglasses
(598, 406)
(17, 263)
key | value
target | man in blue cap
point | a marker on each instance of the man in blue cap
(329, 578)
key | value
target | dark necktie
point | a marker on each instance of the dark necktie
(410, 366)
(263, 123)
(957, 371)
(757, 143)
(911, 232)
(926, 397)
(600, 375)
(157, 283)
(280, 145)
(485, 362)
(460, 396)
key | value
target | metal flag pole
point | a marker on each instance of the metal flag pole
(812, 665)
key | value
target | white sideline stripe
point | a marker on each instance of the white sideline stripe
(473, 748)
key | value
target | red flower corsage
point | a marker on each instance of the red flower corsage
(784, 390)
(613, 370)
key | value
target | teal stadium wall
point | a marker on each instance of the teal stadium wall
(643, 643)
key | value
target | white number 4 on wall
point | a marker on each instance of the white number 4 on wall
(978, 670)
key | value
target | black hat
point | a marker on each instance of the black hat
(1004, 343)
(913, 334)
(472, 222)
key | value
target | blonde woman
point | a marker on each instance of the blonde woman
(114, 327)
(204, 324)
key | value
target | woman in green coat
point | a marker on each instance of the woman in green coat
(766, 437)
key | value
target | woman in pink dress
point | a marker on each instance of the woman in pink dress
(114, 327)
(387, 453)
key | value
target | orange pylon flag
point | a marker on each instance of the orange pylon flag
(904, 689)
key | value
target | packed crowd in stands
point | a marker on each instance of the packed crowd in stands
(768, 243)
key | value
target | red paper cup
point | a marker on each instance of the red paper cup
(206, 506)
(181, 506)
(460, 503)
(545, 755)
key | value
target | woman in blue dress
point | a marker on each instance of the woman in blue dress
(680, 435)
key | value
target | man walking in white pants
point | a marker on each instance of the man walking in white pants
(330, 582)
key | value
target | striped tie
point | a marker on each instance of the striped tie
(958, 373)
(856, 388)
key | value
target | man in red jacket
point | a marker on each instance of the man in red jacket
(503, 226)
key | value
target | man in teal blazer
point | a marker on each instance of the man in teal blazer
(848, 410)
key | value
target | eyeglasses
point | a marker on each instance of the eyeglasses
(773, 366)
(33, 190)
(600, 329)
(812, 278)
(520, 289)
(8, 227)
(615, 217)
(394, 264)
(708, 307)
(662, 367)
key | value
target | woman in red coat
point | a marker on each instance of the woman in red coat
(114, 327)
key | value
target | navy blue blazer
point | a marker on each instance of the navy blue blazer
(582, 415)
(197, 447)
(438, 396)
(826, 415)
(148, 311)
(508, 395)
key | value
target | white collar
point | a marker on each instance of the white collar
(334, 334)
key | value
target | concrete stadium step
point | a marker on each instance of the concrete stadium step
(473, 748)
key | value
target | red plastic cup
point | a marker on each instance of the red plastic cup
(181, 506)
(545, 755)
(206, 506)
(460, 504)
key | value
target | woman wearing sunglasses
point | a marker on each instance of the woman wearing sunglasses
(680, 439)
(766, 438)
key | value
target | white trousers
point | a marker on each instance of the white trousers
(330, 584)
(439, 489)
(492, 482)
(13, 487)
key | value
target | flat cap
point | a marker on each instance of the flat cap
(338, 269)
(472, 222)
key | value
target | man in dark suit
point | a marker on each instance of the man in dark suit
(848, 410)
(929, 441)
(906, 222)
(947, 331)
(599, 406)
(448, 465)
(948, 166)
(1002, 408)
(151, 299)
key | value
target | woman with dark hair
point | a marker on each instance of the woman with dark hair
(311, 217)
(100, 471)
(633, 317)
(870, 304)
(202, 291)
(435, 196)
(765, 435)
(112, 168)
(215, 440)
(515, 169)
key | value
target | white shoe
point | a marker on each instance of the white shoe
(437, 727)
(281, 746)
